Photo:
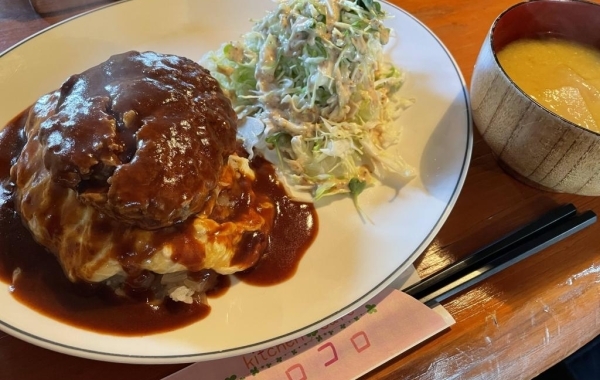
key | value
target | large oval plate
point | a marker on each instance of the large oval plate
(349, 262)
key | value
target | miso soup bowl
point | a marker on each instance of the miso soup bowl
(530, 142)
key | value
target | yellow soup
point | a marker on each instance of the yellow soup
(560, 75)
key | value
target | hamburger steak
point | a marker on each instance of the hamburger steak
(141, 137)
(129, 175)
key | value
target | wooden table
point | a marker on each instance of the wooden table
(514, 325)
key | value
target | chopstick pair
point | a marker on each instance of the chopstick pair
(516, 246)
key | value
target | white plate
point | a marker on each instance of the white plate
(349, 262)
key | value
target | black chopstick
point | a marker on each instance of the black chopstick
(545, 231)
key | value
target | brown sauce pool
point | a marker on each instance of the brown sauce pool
(43, 286)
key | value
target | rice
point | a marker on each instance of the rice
(182, 286)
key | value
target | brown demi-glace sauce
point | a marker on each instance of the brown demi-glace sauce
(43, 286)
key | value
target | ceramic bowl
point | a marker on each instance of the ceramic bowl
(530, 142)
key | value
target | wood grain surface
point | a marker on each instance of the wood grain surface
(513, 326)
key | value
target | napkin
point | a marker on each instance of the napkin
(380, 329)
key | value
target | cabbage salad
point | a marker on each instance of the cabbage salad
(313, 72)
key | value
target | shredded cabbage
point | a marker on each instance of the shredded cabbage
(313, 71)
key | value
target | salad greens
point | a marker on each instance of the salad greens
(313, 71)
